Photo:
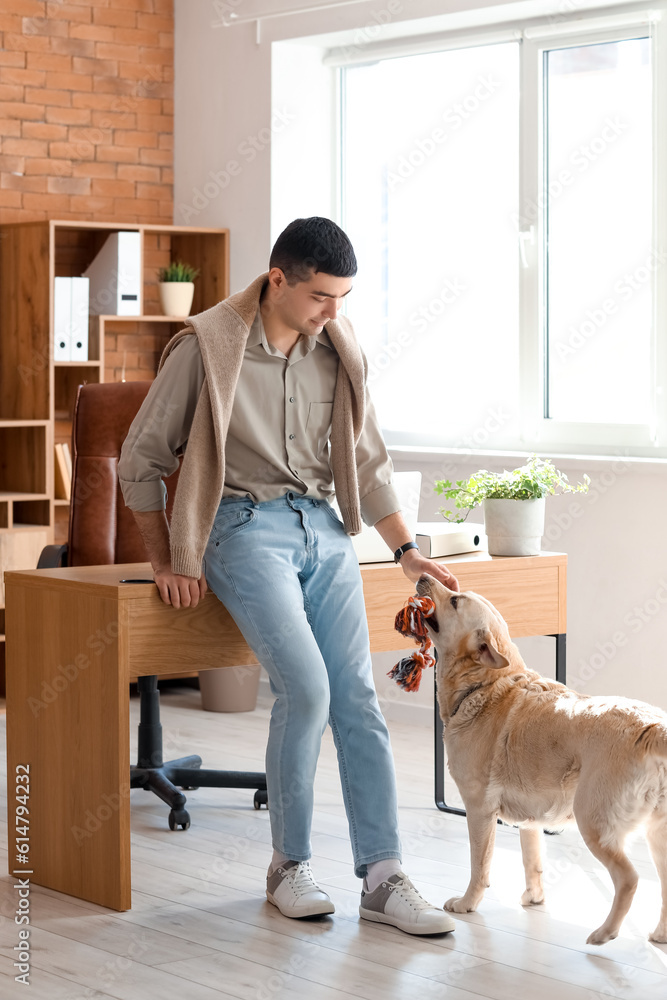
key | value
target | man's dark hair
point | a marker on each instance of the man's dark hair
(313, 245)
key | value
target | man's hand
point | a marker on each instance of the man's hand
(413, 564)
(179, 591)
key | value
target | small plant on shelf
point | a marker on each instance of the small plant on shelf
(178, 271)
(176, 288)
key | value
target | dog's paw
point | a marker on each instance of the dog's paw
(659, 935)
(601, 936)
(532, 897)
(459, 904)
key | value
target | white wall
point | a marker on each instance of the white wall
(617, 544)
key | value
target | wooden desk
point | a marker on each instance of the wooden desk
(75, 638)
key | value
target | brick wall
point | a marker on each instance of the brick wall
(86, 110)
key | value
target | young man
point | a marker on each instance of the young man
(268, 391)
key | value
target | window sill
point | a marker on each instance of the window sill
(431, 455)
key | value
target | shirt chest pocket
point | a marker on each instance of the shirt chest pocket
(318, 425)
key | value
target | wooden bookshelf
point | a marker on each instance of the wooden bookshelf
(37, 395)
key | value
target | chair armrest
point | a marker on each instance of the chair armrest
(53, 557)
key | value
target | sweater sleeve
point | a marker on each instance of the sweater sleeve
(159, 432)
(374, 470)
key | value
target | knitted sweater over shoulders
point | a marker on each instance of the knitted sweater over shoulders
(222, 332)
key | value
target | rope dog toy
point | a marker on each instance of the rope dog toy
(410, 622)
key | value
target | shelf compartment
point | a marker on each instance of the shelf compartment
(28, 513)
(205, 250)
(20, 550)
(67, 379)
(22, 459)
(134, 345)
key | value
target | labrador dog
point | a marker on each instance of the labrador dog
(536, 754)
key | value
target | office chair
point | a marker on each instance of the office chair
(102, 530)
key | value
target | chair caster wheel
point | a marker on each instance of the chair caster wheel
(179, 817)
(261, 798)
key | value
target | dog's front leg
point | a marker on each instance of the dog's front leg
(531, 852)
(482, 834)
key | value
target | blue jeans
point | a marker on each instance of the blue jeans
(288, 575)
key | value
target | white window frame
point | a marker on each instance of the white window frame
(550, 436)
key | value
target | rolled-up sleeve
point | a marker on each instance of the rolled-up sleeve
(160, 430)
(374, 470)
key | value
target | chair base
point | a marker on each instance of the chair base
(151, 774)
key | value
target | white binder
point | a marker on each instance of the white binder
(70, 319)
(115, 276)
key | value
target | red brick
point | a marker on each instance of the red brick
(136, 5)
(69, 81)
(155, 123)
(12, 164)
(136, 138)
(96, 136)
(48, 165)
(113, 189)
(107, 119)
(166, 141)
(156, 191)
(25, 147)
(68, 116)
(117, 154)
(166, 109)
(113, 16)
(26, 43)
(44, 26)
(57, 98)
(131, 207)
(95, 67)
(69, 185)
(71, 12)
(21, 110)
(91, 32)
(155, 22)
(29, 8)
(22, 77)
(43, 130)
(10, 128)
(12, 59)
(9, 199)
(46, 60)
(111, 50)
(86, 203)
(11, 182)
(166, 209)
(107, 85)
(164, 7)
(11, 22)
(156, 157)
(72, 151)
(150, 175)
(73, 46)
(168, 74)
(132, 36)
(94, 169)
(11, 92)
(167, 176)
(52, 203)
(162, 56)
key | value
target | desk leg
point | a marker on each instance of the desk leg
(68, 721)
(439, 731)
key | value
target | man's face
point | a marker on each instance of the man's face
(308, 305)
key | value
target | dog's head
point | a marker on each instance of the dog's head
(465, 628)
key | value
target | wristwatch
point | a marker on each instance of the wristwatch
(402, 549)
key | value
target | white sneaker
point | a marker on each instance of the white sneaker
(397, 902)
(292, 888)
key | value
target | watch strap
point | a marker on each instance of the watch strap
(402, 549)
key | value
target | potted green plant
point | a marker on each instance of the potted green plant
(513, 503)
(176, 287)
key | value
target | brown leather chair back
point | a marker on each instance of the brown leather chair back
(101, 528)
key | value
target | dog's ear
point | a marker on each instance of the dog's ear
(486, 652)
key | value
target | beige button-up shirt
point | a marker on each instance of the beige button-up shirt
(278, 437)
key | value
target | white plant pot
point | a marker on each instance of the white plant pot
(176, 297)
(229, 689)
(514, 527)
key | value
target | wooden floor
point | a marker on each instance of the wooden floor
(200, 927)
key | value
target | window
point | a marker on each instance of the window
(501, 199)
